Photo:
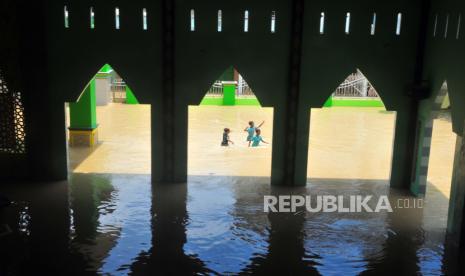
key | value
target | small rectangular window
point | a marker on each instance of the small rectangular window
(435, 27)
(192, 20)
(373, 25)
(446, 27)
(347, 27)
(117, 18)
(399, 23)
(459, 22)
(144, 19)
(220, 21)
(92, 18)
(246, 21)
(322, 23)
(66, 14)
(273, 22)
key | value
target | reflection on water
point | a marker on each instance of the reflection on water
(225, 230)
(212, 225)
(119, 224)
(110, 220)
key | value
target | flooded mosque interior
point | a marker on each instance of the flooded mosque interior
(182, 137)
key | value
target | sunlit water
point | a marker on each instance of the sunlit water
(103, 222)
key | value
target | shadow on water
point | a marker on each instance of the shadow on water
(121, 224)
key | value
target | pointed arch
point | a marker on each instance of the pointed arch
(108, 71)
(355, 90)
(230, 88)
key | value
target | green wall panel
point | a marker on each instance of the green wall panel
(83, 113)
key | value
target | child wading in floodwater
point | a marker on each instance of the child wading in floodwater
(257, 138)
(226, 139)
(251, 130)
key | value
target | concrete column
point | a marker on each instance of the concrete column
(278, 153)
(404, 148)
(421, 161)
(456, 216)
(83, 119)
(180, 143)
(298, 153)
(229, 92)
(169, 144)
(287, 151)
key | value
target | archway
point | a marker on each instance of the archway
(229, 103)
(108, 130)
(351, 137)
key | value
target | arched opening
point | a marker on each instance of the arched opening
(108, 130)
(243, 149)
(351, 137)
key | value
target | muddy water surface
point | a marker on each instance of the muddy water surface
(108, 219)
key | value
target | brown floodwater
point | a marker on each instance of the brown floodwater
(108, 219)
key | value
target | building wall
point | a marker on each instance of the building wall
(170, 67)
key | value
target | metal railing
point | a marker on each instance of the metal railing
(216, 90)
(118, 90)
(243, 89)
(356, 85)
(118, 85)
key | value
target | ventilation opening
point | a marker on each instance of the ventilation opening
(446, 27)
(117, 23)
(351, 137)
(347, 26)
(192, 20)
(399, 23)
(144, 19)
(92, 18)
(230, 103)
(66, 17)
(373, 25)
(246, 21)
(273, 22)
(322, 23)
(220, 21)
(459, 23)
(108, 131)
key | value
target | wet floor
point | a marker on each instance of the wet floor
(118, 223)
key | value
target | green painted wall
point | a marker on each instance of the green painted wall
(130, 97)
(356, 102)
(229, 94)
(83, 113)
(212, 101)
(340, 102)
(239, 101)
